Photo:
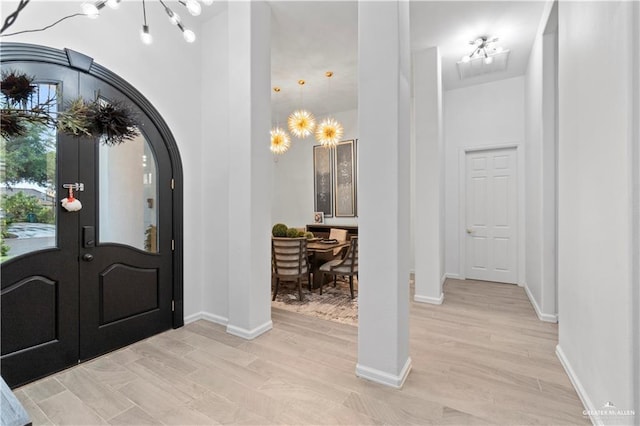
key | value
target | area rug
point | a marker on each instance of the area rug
(335, 304)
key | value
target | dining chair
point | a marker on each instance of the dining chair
(289, 259)
(347, 266)
(339, 235)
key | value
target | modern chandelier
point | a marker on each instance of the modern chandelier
(329, 131)
(484, 48)
(92, 10)
(301, 122)
(280, 140)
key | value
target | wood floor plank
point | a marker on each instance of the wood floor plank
(94, 394)
(65, 408)
(37, 416)
(43, 389)
(135, 416)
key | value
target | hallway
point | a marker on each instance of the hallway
(480, 358)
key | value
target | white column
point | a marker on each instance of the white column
(249, 169)
(429, 162)
(383, 192)
(595, 203)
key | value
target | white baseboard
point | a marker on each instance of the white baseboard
(427, 299)
(453, 276)
(541, 316)
(217, 319)
(249, 334)
(590, 409)
(384, 378)
(442, 280)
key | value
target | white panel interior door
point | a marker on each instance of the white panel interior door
(491, 215)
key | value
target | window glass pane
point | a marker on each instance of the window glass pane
(128, 195)
(28, 204)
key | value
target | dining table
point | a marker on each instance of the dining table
(321, 251)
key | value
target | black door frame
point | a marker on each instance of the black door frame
(24, 52)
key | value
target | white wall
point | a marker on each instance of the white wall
(293, 178)
(597, 87)
(540, 164)
(489, 114)
(166, 72)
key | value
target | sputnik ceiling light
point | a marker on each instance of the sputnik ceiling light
(92, 10)
(301, 122)
(484, 48)
(280, 140)
(329, 132)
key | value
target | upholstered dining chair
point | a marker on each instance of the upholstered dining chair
(339, 235)
(347, 266)
(289, 259)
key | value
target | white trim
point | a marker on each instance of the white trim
(462, 205)
(384, 378)
(249, 334)
(442, 280)
(542, 317)
(582, 393)
(217, 319)
(453, 276)
(427, 299)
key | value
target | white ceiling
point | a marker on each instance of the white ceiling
(311, 37)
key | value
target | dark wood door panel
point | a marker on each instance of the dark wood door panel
(29, 325)
(126, 291)
(39, 315)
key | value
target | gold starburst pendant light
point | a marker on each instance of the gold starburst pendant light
(301, 122)
(330, 131)
(280, 140)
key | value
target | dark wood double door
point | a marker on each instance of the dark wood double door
(96, 279)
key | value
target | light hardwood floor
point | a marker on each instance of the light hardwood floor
(480, 358)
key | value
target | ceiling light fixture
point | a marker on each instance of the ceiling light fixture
(280, 140)
(301, 122)
(483, 48)
(485, 58)
(330, 131)
(92, 10)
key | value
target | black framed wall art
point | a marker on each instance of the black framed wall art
(345, 179)
(323, 180)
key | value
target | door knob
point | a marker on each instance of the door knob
(87, 257)
(469, 231)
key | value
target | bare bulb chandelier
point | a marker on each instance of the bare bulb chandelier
(92, 10)
(484, 48)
